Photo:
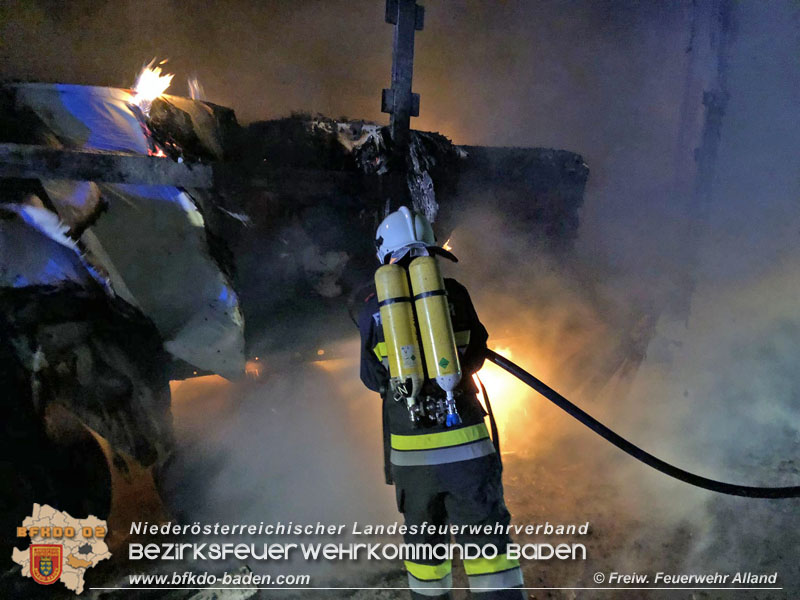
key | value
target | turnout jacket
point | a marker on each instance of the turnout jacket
(428, 444)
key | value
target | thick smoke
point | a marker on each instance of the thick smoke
(717, 391)
(301, 445)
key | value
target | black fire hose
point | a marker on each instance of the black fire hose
(633, 450)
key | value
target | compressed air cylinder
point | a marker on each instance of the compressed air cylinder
(436, 328)
(399, 329)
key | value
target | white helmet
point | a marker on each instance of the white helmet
(403, 231)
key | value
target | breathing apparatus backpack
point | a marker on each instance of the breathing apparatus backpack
(427, 313)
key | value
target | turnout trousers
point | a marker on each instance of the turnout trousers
(468, 492)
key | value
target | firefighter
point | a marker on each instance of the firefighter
(445, 470)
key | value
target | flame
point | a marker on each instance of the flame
(447, 246)
(196, 91)
(150, 84)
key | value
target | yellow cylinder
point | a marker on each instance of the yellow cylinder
(435, 325)
(399, 330)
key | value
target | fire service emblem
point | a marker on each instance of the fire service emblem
(46, 562)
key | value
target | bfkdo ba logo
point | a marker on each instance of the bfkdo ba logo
(62, 548)
(46, 562)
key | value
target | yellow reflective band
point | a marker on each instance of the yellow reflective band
(486, 566)
(444, 439)
(462, 338)
(380, 350)
(429, 572)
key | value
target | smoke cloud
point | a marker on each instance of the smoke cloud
(715, 391)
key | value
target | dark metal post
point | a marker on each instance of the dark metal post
(399, 101)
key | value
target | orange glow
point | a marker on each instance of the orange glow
(198, 401)
(447, 246)
(514, 405)
(252, 369)
(333, 365)
(189, 387)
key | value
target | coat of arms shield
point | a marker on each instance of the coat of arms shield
(46, 562)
